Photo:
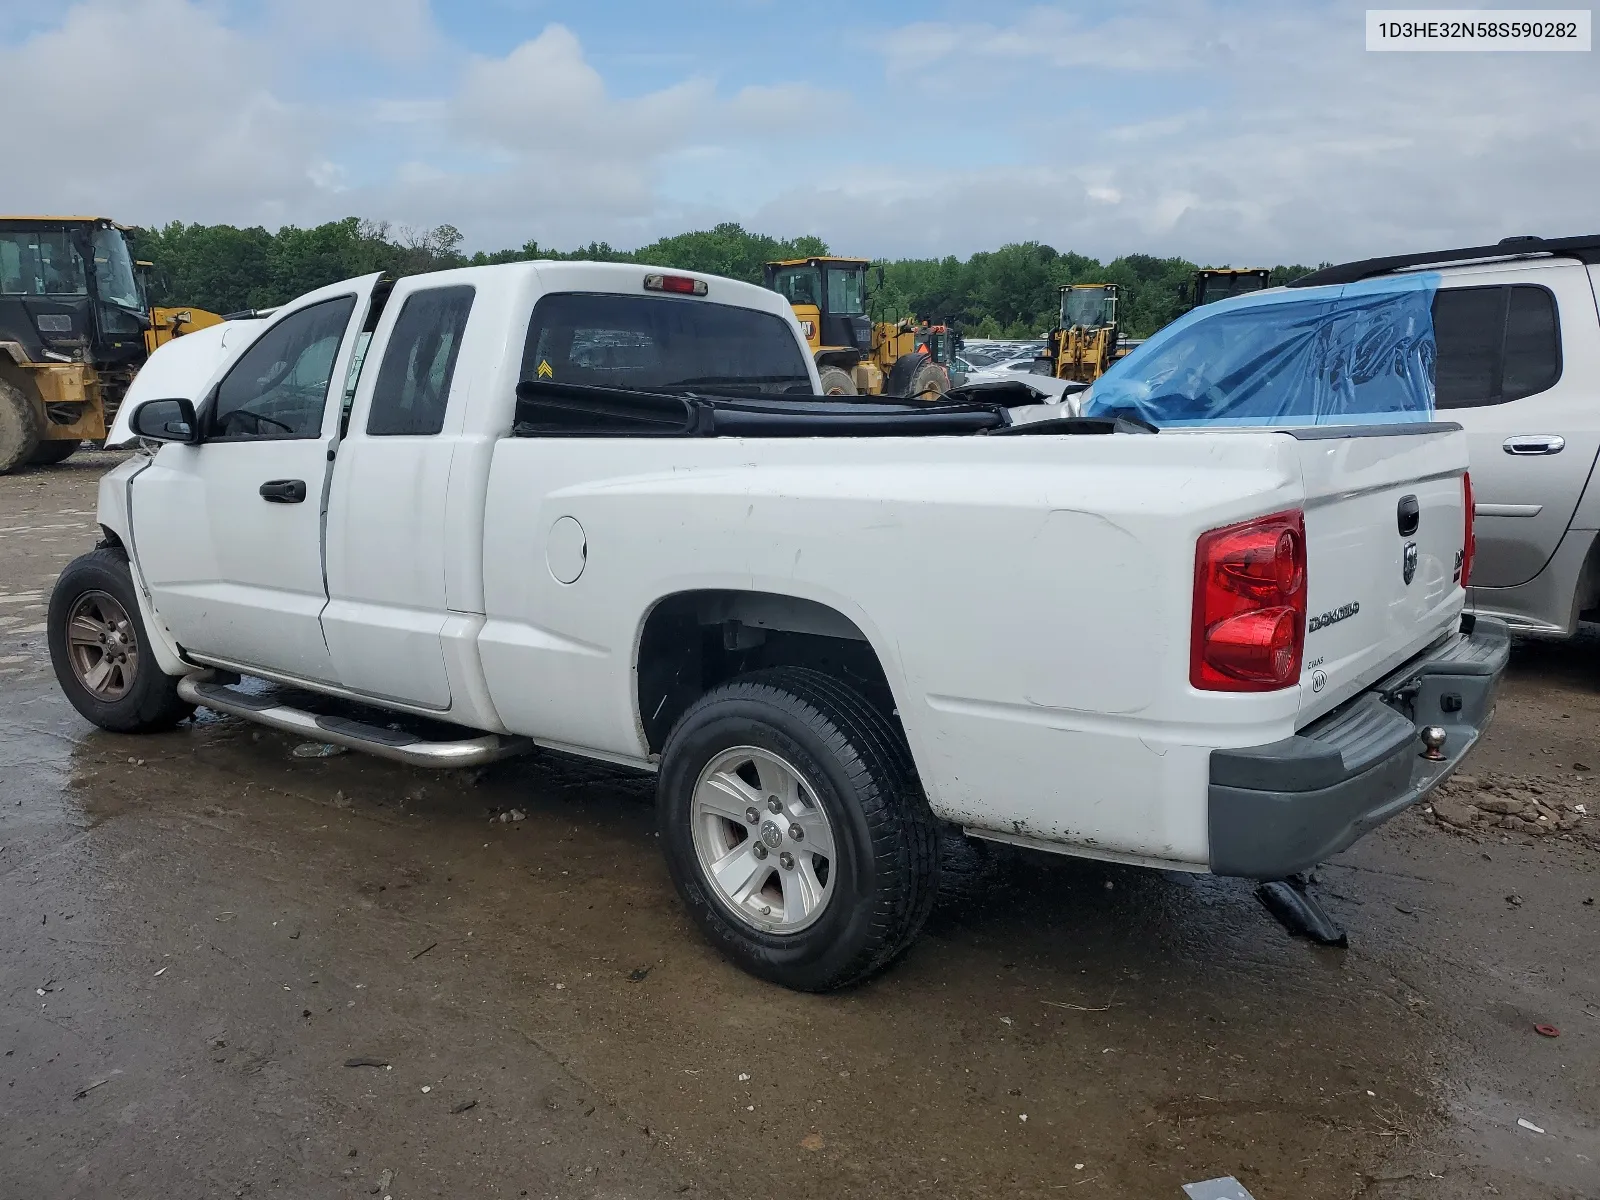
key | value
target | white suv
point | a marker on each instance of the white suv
(1518, 335)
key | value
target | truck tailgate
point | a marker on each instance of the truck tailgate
(1385, 535)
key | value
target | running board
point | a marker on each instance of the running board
(393, 744)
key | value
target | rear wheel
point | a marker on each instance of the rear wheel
(47, 453)
(795, 830)
(19, 427)
(100, 650)
(836, 381)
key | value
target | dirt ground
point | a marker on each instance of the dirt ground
(201, 932)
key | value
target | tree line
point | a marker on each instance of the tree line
(1009, 292)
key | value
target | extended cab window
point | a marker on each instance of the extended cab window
(662, 343)
(413, 387)
(1495, 344)
(279, 387)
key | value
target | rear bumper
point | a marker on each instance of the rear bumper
(1284, 807)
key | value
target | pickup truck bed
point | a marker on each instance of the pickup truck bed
(841, 632)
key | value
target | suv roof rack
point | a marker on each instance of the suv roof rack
(1585, 248)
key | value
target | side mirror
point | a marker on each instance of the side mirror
(165, 421)
(880, 276)
(1183, 293)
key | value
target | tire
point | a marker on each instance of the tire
(836, 381)
(91, 591)
(915, 376)
(19, 427)
(930, 382)
(854, 768)
(968, 869)
(49, 453)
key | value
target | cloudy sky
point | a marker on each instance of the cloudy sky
(1241, 131)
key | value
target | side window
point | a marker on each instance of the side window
(413, 387)
(1533, 343)
(1468, 328)
(279, 386)
(1495, 344)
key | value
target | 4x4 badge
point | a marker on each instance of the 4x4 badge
(1408, 569)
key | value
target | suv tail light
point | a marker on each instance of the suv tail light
(1249, 630)
(1469, 538)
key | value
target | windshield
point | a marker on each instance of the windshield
(40, 263)
(1087, 306)
(799, 285)
(846, 291)
(113, 269)
(661, 344)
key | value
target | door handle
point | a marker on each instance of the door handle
(1534, 443)
(284, 491)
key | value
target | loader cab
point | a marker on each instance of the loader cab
(69, 291)
(941, 342)
(829, 298)
(1219, 283)
(1088, 305)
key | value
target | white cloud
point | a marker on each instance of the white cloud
(567, 161)
(1263, 132)
(151, 111)
(1054, 37)
(397, 31)
(545, 98)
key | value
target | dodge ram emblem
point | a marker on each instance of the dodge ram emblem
(1408, 569)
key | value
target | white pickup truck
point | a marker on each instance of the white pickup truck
(598, 508)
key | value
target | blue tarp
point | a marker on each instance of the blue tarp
(1352, 353)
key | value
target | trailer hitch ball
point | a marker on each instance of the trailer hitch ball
(1433, 739)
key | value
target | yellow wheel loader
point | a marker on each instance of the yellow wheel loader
(855, 355)
(1084, 342)
(75, 327)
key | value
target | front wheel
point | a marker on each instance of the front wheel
(930, 382)
(795, 829)
(100, 650)
(836, 381)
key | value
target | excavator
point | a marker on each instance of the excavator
(76, 325)
(1218, 283)
(1084, 342)
(855, 355)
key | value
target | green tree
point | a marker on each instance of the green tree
(1012, 290)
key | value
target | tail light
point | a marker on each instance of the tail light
(1469, 538)
(1249, 631)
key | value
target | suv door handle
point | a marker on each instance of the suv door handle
(1534, 443)
(284, 491)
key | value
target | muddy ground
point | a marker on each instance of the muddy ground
(200, 931)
